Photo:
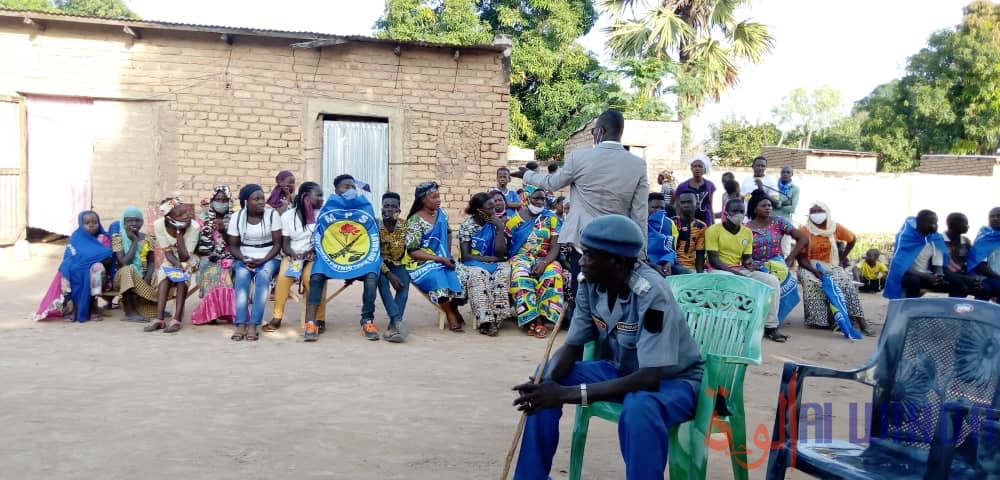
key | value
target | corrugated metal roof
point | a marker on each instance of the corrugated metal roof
(255, 32)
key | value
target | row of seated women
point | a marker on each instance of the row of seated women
(748, 243)
(232, 256)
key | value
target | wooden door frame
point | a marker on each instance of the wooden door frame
(21, 209)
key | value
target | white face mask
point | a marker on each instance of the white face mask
(736, 218)
(817, 218)
(350, 194)
(535, 210)
(176, 223)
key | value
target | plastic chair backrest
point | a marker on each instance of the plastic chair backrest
(933, 351)
(725, 313)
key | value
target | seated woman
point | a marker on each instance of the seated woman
(215, 269)
(428, 247)
(984, 258)
(823, 234)
(499, 205)
(484, 273)
(82, 276)
(767, 232)
(177, 235)
(536, 276)
(255, 241)
(297, 226)
(283, 192)
(136, 268)
(729, 246)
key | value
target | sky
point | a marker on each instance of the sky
(851, 45)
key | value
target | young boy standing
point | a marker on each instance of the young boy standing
(510, 196)
(394, 276)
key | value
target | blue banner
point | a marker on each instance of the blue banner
(346, 239)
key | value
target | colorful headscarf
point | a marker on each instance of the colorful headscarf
(279, 192)
(131, 212)
(168, 204)
(424, 189)
(211, 242)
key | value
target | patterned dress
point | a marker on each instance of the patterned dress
(132, 277)
(416, 228)
(535, 297)
(488, 292)
(215, 274)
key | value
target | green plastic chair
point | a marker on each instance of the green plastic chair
(725, 314)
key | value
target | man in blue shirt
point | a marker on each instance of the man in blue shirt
(510, 196)
(648, 360)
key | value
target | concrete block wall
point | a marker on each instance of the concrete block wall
(778, 157)
(233, 114)
(975, 165)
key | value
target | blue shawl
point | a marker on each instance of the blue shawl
(82, 252)
(482, 245)
(909, 243)
(520, 235)
(987, 241)
(661, 239)
(428, 276)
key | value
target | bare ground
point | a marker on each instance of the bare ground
(105, 400)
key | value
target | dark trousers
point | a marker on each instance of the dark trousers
(872, 286)
(954, 285)
(574, 270)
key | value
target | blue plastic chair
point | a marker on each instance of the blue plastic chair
(935, 378)
(726, 315)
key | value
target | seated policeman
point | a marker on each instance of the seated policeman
(648, 360)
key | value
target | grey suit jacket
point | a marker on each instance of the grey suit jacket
(603, 180)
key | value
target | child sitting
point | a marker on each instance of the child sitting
(873, 272)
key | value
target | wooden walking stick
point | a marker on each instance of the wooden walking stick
(537, 379)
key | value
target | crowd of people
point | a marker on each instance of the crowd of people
(518, 249)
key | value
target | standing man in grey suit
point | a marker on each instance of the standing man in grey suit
(603, 180)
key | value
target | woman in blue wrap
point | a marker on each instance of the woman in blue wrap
(428, 249)
(484, 270)
(536, 275)
(82, 274)
(918, 261)
(984, 257)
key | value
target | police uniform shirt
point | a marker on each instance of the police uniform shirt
(646, 328)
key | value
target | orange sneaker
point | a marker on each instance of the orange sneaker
(312, 333)
(369, 330)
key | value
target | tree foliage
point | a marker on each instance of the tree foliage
(947, 102)
(96, 8)
(556, 86)
(703, 37)
(735, 142)
(803, 113)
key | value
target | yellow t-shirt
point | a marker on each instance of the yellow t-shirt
(869, 272)
(731, 247)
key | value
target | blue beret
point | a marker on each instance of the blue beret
(614, 234)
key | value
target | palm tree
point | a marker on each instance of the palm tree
(702, 36)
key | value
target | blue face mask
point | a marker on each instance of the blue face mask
(350, 194)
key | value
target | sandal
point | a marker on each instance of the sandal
(489, 329)
(272, 326)
(156, 325)
(541, 331)
(173, 327)
(530, 331)
(312, 332)
(774, 335)
(253, 336)
(238, 336)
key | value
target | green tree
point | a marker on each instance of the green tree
(95, 8)
(735, 142)
(805, 113)
(844, 134)
(447, 21)
(949, 99)
(702, 36)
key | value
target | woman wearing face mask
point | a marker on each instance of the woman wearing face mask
(177, 236)
(297, 226)
(824, 233)
(215, 269)
(536, 276)
(767, 232)
(283, 192)
(499, 205)
(484, 272)
(729, 246)
(255, 242)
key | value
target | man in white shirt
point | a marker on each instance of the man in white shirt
(760, 181)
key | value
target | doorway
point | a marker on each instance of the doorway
(358, 147)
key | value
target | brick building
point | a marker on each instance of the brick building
(659, 143)
(974, 165)
(819, 160)
(114, 112)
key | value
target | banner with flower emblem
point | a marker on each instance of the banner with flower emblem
(346, 239)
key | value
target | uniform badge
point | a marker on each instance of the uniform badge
(638, 284)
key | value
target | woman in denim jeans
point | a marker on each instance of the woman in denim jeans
(255, 241)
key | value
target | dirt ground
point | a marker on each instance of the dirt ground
(105, 400)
